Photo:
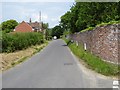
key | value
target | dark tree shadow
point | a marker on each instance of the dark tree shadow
(65, 45)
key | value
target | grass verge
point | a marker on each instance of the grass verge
(101, 24)
(24, 58)
(93, 62)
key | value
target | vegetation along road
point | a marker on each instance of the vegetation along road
(54, 67)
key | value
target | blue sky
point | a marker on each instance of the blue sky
(50, 11)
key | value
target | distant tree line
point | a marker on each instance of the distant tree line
(57, 31)
(88, 14)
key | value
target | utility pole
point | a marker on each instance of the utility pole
(40, 16)
(40, 20)
(41, 25)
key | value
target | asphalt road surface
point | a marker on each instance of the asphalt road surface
(54, 67)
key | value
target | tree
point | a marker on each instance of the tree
(0, 27)
(9, 25)
(88, 14)
(74, 17)
(57, 31)
(45, 25)
(65, 21)
(48, 34)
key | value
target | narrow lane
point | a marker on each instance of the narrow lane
(54, 67)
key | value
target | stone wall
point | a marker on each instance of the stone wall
(103, 41)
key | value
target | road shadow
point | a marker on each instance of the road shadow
(65, 45)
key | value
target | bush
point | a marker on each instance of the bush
(18, 41)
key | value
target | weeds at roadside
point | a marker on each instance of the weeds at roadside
(94, 62)
(21, 60)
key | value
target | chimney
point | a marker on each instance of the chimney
(30, 20)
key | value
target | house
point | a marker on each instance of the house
(23, 27)
(29, 27)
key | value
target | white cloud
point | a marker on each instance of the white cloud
(33, 14)
(50, 12)
(54, 24)
(26, 14)
(0, 12)
(54, 19)
(35, 17)
(44, 17)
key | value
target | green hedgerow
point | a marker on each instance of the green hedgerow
(18, 41)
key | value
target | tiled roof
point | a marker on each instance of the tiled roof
(23, 27)
(28, 27)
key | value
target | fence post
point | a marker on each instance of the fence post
(77, 43)
(85, 46)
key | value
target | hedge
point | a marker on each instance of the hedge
(18, 41)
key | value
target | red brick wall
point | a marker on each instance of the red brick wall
(102, 41)
(23, 27)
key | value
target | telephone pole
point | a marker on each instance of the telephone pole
(40, 16)
(40, 23)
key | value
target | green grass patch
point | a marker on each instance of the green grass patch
(19, 61)
(88, 29)
(109, 23)
(94, 62)
(101, 24)
(38, 49)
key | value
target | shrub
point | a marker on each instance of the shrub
(18, 41)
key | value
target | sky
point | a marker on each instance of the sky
(25, 9)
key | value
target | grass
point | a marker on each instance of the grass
(19, 61)
(88, 29)
(101, 24)
(38, 49)
(109, 23)
(93, 62)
